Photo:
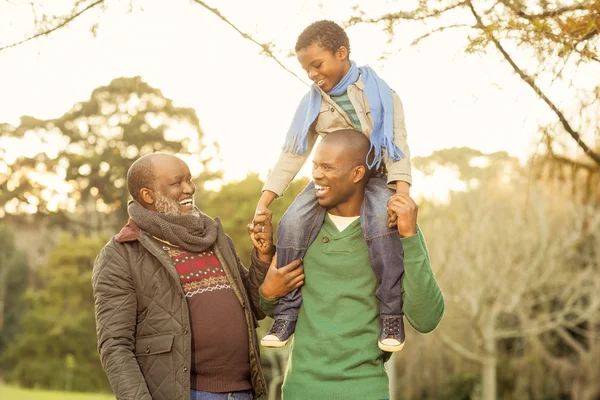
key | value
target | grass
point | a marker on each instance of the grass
(13, 393)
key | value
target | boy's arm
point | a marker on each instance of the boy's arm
(286, 169)
(423, 299)
(399, 172)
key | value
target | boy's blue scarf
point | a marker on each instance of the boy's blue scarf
(379, 96)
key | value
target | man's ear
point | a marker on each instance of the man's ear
(359, 173)
(147, 196)
(342, 53)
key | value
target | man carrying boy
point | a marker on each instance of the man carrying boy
(343, 96)
(334, 355)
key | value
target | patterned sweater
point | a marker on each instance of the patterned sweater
(219, 334)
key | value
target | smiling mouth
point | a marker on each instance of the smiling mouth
(186, 203)
(320, 82)
(321, 190)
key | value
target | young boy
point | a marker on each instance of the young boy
(343, 96)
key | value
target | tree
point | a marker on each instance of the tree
(97, 141)
(14, 276)
(58, 326)
(510, 251)
(46, 22)
(561, 35)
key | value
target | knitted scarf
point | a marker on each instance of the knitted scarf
(379, 96)
(194, 233)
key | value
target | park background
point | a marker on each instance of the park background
(502, 105)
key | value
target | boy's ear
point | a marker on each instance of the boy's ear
(342, 53)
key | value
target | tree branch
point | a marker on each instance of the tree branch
(438, 30)
(266, 47)
(460, 350)
(46, 32)
(574, 344)
(552, 13)
(403, 15)
(531, 82)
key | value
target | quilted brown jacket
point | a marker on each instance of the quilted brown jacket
(142, 316)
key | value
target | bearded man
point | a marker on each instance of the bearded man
(176, 311)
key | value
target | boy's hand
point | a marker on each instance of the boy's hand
(261, 234)
(280, 281)
(406, 210)
(402, 187)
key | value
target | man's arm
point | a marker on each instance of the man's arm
(116, 314)
(423, 300)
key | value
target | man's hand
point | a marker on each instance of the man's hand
(261, 234)
(281, 281)
(402, 187)
(405, 209)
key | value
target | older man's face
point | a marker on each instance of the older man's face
(174, 189)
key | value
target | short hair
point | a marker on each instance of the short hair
(327, 34)
(141, 175)
(355, 143)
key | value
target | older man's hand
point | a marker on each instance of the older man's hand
(406, 211)
(261, 234)
(280, 281)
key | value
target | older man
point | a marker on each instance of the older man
(176, 311)
(335, 355)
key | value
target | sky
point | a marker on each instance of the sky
(243, 99)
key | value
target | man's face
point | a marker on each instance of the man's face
(333, 177)
(174, 189)
(323, 67)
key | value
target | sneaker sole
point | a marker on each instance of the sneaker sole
(271, 343)
(390, 349)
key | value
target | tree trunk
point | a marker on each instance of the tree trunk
(392, 374)
(490, 360)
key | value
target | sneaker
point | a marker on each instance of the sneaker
(279, 334)
(392, 336)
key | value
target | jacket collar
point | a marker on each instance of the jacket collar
(129, 233)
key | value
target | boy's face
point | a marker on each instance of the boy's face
(323, 67)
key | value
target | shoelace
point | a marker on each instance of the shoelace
(391, 325)
(278, 326)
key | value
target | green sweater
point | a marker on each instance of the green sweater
(335, 353)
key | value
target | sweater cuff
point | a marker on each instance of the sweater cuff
(257, 261)
(267, 305)
(414, 246)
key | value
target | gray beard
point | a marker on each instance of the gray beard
(166, 205)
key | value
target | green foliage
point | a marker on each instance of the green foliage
(14, 273)
(235, 204)
(57, 348)
(97, 142)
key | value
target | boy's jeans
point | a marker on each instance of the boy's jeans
(302, 222)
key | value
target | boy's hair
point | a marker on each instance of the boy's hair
(327, 34)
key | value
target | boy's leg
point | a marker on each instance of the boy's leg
(387, 260)
(296, 230)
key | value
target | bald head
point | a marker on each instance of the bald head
(355, 145)
(142, 173)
